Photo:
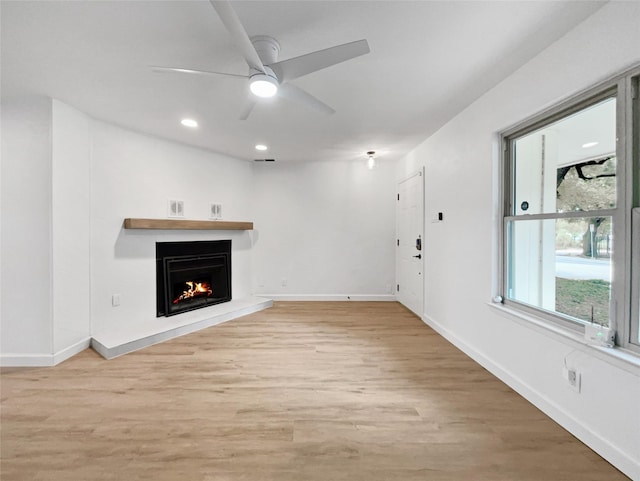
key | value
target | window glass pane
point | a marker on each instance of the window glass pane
(635, 271)
(562, 266)
(569, 165)
(637, 320)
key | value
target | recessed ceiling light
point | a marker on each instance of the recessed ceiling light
(589, 144)
(189, 123)
(261, 147)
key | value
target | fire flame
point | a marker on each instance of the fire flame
(196, 289)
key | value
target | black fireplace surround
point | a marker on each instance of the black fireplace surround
(192, 275)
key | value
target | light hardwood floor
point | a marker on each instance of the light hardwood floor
(302, 391)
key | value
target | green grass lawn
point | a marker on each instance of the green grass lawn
(575, 298)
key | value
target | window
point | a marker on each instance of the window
(635, 292)
(571, 223)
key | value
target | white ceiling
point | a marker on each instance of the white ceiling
(428, 61)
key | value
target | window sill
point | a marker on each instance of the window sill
(615, 356)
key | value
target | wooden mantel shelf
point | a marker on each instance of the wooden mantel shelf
(181, 224)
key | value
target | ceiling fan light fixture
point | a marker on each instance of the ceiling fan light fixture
(263, 85)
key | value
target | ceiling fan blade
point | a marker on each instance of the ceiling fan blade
(305, 64)
(159, 69)
(238, 34)
(291, 92)
(247, 109)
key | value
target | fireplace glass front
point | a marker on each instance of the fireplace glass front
(192, 275)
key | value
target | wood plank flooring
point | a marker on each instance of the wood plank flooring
(302, 391)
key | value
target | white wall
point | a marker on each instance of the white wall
(327, 228)
(26, 228)
(45, 230)
(71, 223)
(461, 162)
(69, 181)
(133, 175)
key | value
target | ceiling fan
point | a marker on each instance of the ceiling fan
(267, 76)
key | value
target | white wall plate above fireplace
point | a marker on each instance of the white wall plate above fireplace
(175, 208)
(215, 211)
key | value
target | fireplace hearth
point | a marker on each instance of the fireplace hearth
(192, 275)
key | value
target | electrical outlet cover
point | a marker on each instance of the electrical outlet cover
(573, 378)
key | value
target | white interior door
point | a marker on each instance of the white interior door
(410, 243)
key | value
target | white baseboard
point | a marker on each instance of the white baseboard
(331, 297)
(26, 360)
(600, 445)
(70, 351)
(115, 343)
(43, 360)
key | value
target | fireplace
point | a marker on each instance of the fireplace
(192, 275)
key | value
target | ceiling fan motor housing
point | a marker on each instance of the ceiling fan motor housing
(255, 74)
(268, 48)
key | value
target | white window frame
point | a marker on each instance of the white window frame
(625, 285)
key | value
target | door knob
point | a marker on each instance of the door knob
(419, 256)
